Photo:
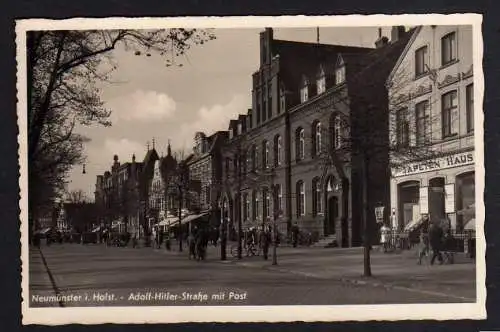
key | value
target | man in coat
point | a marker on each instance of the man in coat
(436, 241)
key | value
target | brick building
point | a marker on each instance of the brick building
(432, 116)
(294, 149)
(204, 167)
(117, 195)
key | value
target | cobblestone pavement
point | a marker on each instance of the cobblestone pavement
(95, 275)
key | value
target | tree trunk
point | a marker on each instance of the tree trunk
(367, 271)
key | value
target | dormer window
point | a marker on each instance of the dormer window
(340, 75)
(321, 83)
(304, 90)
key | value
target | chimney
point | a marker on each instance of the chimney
(266, 39)
(397, 32)
(382, 40)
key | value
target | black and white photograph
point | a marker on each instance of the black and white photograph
(251, 169)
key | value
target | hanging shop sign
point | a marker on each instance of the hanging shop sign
(424, 200)
(379, 214)
(455, 160)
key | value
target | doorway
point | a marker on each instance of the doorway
(333, 213)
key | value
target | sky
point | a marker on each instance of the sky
(151, 101)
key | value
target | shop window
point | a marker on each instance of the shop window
(466, 198)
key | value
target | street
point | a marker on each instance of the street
(96, 275)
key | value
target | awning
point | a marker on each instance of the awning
(192, 217)
(44, 230)
(470, 211)
(413, 224)
(471, 225)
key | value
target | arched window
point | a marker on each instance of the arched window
(337, 132)
(253, 157)
(299, 143)
(278, 150)
(247, 207)
(321, 82)
(317, 198)
(316, 138)
(301, 199)
(265, 154)
(266, 202)
(255, 203)
(304, 90)
(279, 199)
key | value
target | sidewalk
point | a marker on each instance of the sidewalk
(393, 270)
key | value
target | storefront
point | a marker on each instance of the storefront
(438, 188)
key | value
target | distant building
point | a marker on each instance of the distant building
(432, 128)
(204, 167)
(117, 195)
(308, 99)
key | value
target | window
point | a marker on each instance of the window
(300, 144)
(317, 139)
(247, 207)
(264, 109)
(279, 199)
(421, 61)
(317, 198)
(340, 75)
(448, 49)
(321, 83)
(258, 110)
(255, 203)
(304, 90)
(449, 114)
(266, 203)
(278, 150)
(282, 99)
(337, 132)
(422, 116)
(301, 199)
(403, 128)
(469, 107)
(265, 154)
(253, 157)
(270, 100)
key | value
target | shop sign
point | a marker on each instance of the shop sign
(449, 198)
(424, 200)
(459, 159)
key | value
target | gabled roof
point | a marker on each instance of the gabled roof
(298, 59)
(414, 33)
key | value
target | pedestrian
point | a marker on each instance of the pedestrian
(436, 241)
(384, 237)
(167, 240)
(423, 249)
(265, 238)
(295, 235)
(134, 240)
(192, 245)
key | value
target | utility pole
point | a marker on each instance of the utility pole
(367, 271)
(180, 216)
(223, 232)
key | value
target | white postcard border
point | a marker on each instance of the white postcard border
(177, 314)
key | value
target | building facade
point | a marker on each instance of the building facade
(432, 128)
(286, 161)
(117, 195)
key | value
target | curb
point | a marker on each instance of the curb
(358, 282)
(51, 277)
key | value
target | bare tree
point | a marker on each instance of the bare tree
(63, 69)
(77, 196)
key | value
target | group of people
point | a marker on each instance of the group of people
(198, 240)
(434, 238)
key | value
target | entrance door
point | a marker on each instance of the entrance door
(333, 213)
